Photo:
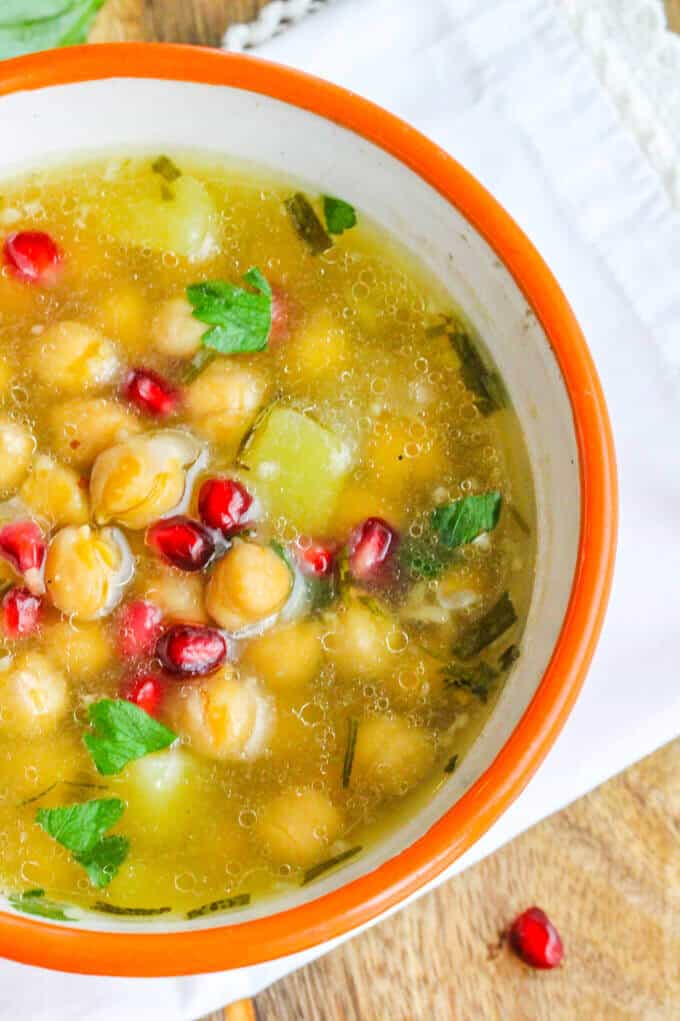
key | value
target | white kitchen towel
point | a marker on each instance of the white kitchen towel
(513, 92)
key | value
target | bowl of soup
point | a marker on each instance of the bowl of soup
(307, 510)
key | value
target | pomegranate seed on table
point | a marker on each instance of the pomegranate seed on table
(223, 504)
(191, 650)
(139, 626)
(535, 939)
(281, 315)
(20, 612)
(145, 691)
(23, 546)
(33, 256)
(150, 393)
(371, 547)
(316, 559)
(182, 542)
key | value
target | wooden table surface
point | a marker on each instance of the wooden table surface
(607, 869)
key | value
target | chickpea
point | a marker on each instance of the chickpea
(287, 658)
(390, 755)
(178, 594)
(358, 645)
(86, 570)
(141, 479)
(81, 650)
(123, 314)
(297, 827)
(73, 357)
(174, 331)
(54, 492)
(249, 584)
(223, 716)
(16, 450)
(223, 402)
(82, 428)
(33, 696)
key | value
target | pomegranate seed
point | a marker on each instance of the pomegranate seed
(33, 257)
(223, 504)
(191, 650)
(182, 542)
(145, 691)
(139, 626)
(316, 559)
(22, 544)
(371, 546)
(150, 393)
(535, 939)
(281, 315)
(20, 612)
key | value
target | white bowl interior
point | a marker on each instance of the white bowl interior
(82, 118)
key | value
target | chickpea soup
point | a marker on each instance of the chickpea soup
(266, 536)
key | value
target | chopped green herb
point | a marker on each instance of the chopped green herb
(220, 905)
(451, 764)
(168, 170)
(330, 863)
(33, 902)
(508, 657)
(37, 797)
(424, 557)
(352, 729)
(464, 520)
(66, 783)
(484, 383)
(80, 829)
(487, 629)
(339, 215)
(203, 357)
(240, 319)
(26, 28)
(477, 680)
(521, 523)
(123, 732)
(307, 224)
(113, 909)
(167, 194)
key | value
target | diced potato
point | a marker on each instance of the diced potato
(223, 401)
(249, 584)
(287, 658)
(390, 755)
(179, 595)
(298, 468)
(54, 492)
(398, 460)
(73, 357)
(174, 330)
(319, 349)
(184, 223)
(123, 314)
(81, 650)
(82, 428)
(161, 790)
(297, 827)
(358, 641)
(33, 696)
(16, 450)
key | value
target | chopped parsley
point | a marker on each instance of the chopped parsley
(476, 680)
(240, 319)
(487, 629)
(452, 525)
(34, 902)
(80, 829)
(330, 863)
(113, 909)
(352, 730)
(240, 900)
(123, 732)
(168, 170)
(307, 224)
(339, 215)
(451, 764)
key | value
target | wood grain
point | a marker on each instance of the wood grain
(607, 869)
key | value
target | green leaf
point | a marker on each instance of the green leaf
(104, 860)
(339, 215)
(80, 829)
(485, 384)
(451, 764)
(487, 629)
(240, 319)
(114, 909)
(240, 900)
(307, 224)
(123, 732)
(424, 557)
(464, 520)
(168, 170)
(330, 863)
(352, 731)
(30, 25)
(33, 902)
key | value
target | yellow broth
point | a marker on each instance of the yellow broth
(372, 375)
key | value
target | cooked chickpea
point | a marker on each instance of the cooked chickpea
(82, 650)
(16, 450)
(73, 357)
(82, 428)
(179, 595)
(53, 491)
(297, 827)
(123, 314)
(33, 696)
(223, 402)
(390, 755)
(223, 716)
(86, 570)
(288, 658)
(359, 641)
(174, 331)
(138, 481)
(249, 584)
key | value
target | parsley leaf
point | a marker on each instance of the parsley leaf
(34, 902)
(307, 224)
(240, 319)
(80, 829)
(30, 25)
(123, 732)
(463, 520)
(339, 215)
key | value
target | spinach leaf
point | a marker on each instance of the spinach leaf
(240, 319)
(80, 829)
(487, 629)
(339, 215)
(307, 224)
(123, 732)
(30, 25)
